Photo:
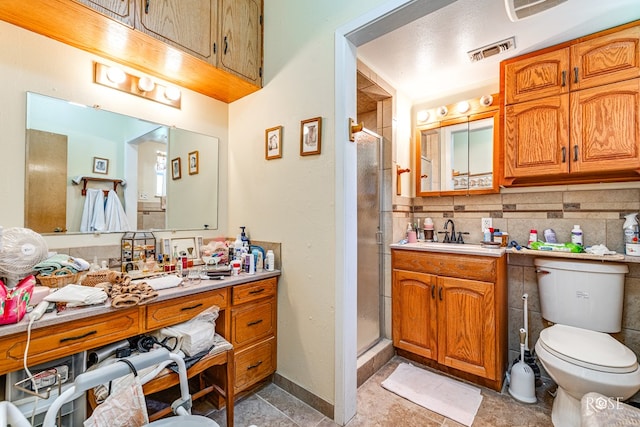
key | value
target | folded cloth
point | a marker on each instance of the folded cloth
(77, 295)
(58, 261)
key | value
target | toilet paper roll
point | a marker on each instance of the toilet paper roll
(98, 355)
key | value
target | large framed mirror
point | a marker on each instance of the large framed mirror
(76, 153)
(458, 155)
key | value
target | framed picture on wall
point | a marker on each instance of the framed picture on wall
(193, 163)
(273, 143)
(311, 136)
(100, 165)
(176, 168)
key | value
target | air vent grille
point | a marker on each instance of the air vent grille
(492, 49)
(520, 9)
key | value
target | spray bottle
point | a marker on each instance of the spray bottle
(630, 228)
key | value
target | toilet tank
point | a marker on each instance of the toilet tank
(584, 294)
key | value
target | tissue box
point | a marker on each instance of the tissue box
(13, 302)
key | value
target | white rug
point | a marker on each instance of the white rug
(453, 399)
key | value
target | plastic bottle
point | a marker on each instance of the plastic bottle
(576, 235)
(533, 236)
(237, 248)
(270, 261)
(631, 235)
(550, 236)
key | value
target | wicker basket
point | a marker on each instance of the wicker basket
(59, 278)
(92, 278)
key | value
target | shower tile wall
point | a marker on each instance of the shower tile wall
(599, 210)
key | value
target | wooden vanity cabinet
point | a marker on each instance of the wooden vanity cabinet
(572, 112)
(253, 331)
(450, 311)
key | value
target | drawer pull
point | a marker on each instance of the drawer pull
(255, 322)
(433, 291)
(440, 293)
(257, 291)
(191, 308)
(254, 366)
(79, 337)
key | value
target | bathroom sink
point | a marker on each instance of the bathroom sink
(454, 248)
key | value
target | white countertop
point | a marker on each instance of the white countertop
(77, 313)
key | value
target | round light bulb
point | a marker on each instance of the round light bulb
(442, 111)
(423, 116)
(463, 107)
(146, 84)
(116, 75)
(172, 93)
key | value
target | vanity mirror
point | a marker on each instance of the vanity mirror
(458, 151)
(65, 141)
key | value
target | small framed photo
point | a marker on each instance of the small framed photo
(100, 165)
(193, 163)
(176, 168)
(273, 143)
(311, 136)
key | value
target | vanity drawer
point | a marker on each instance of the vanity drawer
(178, 310)
(444, 264)
(61, 340)
(253, 322)
(254, 290)
(255, 364)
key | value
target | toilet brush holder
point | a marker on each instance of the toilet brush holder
(522, 382)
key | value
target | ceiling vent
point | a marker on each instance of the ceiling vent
(521, 9)
(492, 49)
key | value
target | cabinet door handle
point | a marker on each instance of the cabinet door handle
(146, 6)
(215, 47)
(564, 154)
(79, 337)
(257, 291)
(575, 153)
(255, 322)
(191, 308)
(564, 78)
(575, 74)
(226, 45)
(433, 291)
(440, 293)
(254, 366)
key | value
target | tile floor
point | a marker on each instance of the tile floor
(271, 406)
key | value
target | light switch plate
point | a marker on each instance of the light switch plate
(487, 223)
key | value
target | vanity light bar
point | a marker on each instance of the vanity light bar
(144, 87)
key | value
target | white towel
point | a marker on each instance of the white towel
(77, 295)
(93, 218)
(116, 218)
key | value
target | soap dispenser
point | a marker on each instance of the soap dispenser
(244, 237)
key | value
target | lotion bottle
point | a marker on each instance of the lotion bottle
(576, 235)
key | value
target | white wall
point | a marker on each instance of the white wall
(292, 200)
(30, 62)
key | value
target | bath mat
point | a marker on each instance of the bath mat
(448, 397)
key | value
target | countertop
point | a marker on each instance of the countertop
(71, 314)
(452, 248)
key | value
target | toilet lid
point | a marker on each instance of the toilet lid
(589, 349)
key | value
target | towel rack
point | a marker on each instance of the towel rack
(86, 179)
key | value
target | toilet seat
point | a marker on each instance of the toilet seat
(592, 350)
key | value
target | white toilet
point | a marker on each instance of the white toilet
(584, 301)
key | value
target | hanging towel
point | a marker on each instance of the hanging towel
(116, 218)
(93, 218)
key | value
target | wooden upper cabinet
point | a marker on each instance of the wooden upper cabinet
(240, 38)
(605, 128)
(121, 10)
(189, 25)
(606, 59)
(537, 137)
(536, 77)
